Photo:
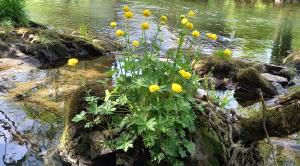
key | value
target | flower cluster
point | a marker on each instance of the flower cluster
(158, 95)
(212, 36)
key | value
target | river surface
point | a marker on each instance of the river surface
(32, 100)
(257, 29)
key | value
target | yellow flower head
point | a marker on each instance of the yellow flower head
(113, 24)
(135, 43)
(182, 17)
(177, 40)
(128, 15)
(126, 8)
(176, 88)
(145, 26)
(184, 21)
(189, 26)
(72, 62)
(147, 13)
(227, 52)
(185, 74)
(153, 88)
(196, 34)
(120, 33)
(212, 36)
(163, 19)
(191, 13)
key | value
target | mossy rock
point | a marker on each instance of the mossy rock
(51, 48)
(221, 68)
(293, 60)
(249, 81)
(288, 73)
(77, 145)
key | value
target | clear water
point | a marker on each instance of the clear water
(258, 29)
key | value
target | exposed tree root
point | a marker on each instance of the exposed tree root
(239, 136)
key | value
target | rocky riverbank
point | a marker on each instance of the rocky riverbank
(50, 94)
(35, 82)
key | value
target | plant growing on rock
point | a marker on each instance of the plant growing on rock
(153, 99)
(13, 10)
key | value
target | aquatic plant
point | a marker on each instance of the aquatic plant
(153, 100)
(13, 10)
(84, 30)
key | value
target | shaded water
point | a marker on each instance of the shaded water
(254, 29)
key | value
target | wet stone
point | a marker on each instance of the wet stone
(273, 78)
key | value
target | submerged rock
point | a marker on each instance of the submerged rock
(249, 81)
(273, 78)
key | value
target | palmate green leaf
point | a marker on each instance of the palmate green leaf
(79, 117)
(144, 124)
(149, 139)
(91, 99)
(94, 109)
(190, 146)
(107, 108)
(124, 142)
(150, 125)
(122, 100)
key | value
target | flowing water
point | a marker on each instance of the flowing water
(254, 29)
(31, 100)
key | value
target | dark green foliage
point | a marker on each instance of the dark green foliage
(13, 10)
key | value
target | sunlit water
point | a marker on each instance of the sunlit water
(258, 29)
(32, 108)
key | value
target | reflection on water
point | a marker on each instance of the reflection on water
(31, 107)
(257, 29)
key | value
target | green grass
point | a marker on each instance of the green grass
(6, 25)
(13, 10)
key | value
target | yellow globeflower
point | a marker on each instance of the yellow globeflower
(184, 21)
(163, 19)
(176, 88)
(147, 13)
(196, 34)
(212, 36)
(191, 13)
(153, 88)
(189, 26)
(120, 33)
(227, 52)
(72, 62)
(185, 74)
(128, 15)
(113, 24)
(126, 8)
(135, 43)
(145, 26)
